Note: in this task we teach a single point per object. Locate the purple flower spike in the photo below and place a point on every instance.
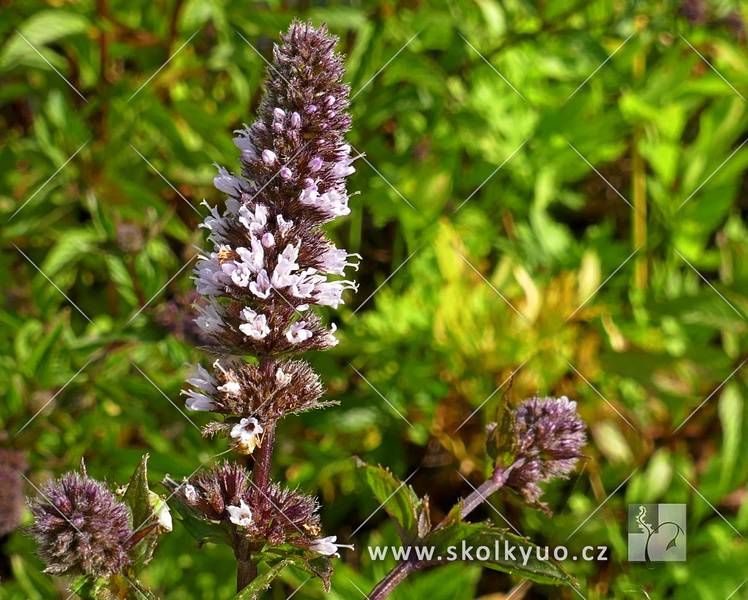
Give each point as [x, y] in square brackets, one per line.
[550, 436]
[271, 261]
[81, 528]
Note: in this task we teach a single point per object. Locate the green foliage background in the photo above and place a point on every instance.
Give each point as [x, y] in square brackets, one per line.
[490, 241]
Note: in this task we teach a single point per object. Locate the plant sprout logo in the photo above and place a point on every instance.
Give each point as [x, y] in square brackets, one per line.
[657, 533]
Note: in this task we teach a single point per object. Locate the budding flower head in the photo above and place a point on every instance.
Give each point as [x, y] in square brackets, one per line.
[81, 527]
[550, 436]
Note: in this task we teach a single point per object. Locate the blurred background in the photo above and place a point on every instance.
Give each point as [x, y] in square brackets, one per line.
[551, 189]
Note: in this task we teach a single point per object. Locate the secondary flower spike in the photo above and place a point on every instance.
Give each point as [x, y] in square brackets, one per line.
[550, 436]
[81, 528]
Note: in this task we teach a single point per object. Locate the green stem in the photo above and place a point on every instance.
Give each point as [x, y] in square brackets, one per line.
[406, 567]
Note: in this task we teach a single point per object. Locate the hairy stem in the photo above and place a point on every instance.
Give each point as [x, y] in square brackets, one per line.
[263, 462]
[480, 495]
[392, 580]
[261, 469]
[406, 567]
[261, 478]
[245, 574]
[247, 570]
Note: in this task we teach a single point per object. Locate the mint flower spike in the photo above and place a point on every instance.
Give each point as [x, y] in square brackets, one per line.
[270, 265]
[271, 261]
[270, 256]
[550, 435]
[81, 528]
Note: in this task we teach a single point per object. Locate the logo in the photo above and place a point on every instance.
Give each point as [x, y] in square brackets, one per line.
[657, 533]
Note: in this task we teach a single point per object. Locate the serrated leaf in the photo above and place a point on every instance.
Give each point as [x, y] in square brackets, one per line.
[261, 582]
[398, 499]
[320, 566]
[144, 521]
[456, 537]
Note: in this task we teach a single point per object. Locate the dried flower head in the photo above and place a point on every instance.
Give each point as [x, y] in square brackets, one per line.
[12, 464]
[550, 436]
[81, 527]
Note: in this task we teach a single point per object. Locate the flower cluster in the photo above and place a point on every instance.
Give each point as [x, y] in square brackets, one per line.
[550, 436]
[271, 260]
[275, 515]
[237, 388]
[270, 265]
[81, 528]
[12, 464]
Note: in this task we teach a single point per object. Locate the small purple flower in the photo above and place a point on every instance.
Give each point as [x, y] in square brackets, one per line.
[550, 436]
[81, 528]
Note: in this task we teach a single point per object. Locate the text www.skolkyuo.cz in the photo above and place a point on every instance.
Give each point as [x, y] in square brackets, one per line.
[499, 552]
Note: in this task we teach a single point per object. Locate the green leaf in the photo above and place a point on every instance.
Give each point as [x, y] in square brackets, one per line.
[398, 499]
[316, 566]
[34, 584]
[39, 362]
[455, 515]
[71, 247]
[146, 523]
[731, 413]
[320, 566]
[117, 586]
[261, 582]
[41, 28]
[448, 544]
[501, 444]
